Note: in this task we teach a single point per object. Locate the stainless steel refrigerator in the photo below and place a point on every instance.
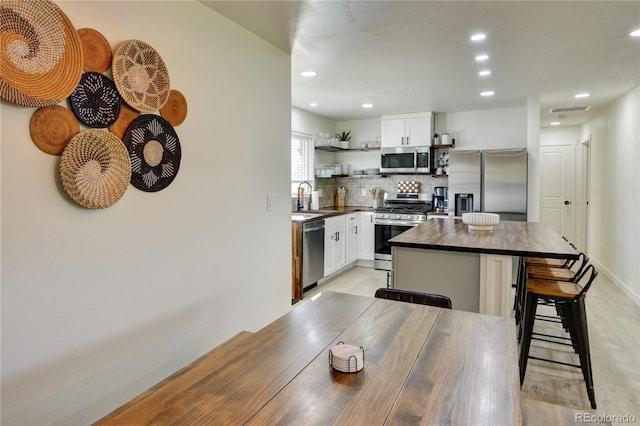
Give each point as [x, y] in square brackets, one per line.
[496, 178]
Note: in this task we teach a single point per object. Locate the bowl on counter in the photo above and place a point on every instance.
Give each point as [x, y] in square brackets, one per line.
[481, 221]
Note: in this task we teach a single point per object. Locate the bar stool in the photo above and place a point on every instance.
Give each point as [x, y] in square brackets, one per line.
[569, 299]
[535, 270]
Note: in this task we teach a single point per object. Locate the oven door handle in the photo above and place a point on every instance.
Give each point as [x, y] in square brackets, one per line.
[397, 222]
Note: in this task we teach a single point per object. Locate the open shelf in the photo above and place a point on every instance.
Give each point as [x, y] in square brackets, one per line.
[330, 148]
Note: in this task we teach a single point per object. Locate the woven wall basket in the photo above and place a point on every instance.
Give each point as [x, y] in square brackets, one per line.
[96, 101]
[126, 117]
[52, 128]
[175, 110]
[95, 169]
[95, 50]
[40, 53]
[140, 76]
[155, 152]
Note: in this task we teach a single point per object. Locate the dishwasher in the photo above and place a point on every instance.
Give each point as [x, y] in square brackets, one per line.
[312, 252]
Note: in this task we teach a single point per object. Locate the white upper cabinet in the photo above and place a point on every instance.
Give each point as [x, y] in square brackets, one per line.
[407, 130]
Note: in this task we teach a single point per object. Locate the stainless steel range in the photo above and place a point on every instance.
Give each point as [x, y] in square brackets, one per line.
[399, 213]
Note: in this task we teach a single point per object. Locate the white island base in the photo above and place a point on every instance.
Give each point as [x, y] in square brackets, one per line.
[475, 282]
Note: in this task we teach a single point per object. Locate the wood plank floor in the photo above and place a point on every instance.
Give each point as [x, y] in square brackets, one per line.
[614, 332]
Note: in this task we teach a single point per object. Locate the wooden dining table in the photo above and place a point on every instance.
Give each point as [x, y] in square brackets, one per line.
[422, 365]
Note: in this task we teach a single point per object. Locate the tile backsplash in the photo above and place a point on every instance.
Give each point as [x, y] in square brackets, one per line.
[356, 187]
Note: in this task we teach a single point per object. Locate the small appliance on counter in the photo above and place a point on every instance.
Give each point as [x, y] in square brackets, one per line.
[441, 199]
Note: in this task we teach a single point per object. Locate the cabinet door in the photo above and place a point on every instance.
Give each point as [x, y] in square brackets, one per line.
[367, 236]
[418, 131]
[329, 249]
[353, 237]
[334, 244]
[340, 250]
[393, 132]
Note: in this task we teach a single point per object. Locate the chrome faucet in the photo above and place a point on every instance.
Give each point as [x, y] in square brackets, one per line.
[299, 205]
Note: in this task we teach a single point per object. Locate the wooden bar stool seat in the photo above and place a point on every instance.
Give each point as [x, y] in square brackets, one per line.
[569, 298]
[543, 261]
[553, 274]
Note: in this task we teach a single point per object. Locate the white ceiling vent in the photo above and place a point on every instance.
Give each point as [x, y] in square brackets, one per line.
[569, 109]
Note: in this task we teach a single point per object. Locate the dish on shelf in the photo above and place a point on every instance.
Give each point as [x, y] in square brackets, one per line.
[481, 221]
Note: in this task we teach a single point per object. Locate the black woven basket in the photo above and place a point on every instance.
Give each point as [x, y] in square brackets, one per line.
[96, 101]
[155, 152]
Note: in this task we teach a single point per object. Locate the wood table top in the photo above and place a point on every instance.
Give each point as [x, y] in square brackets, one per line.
[422, 364]
[507, 238]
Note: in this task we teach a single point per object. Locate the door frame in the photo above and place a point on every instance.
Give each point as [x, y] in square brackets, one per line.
[583, 191]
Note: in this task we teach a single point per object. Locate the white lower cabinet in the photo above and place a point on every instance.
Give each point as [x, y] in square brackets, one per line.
[353, 237]
[366, 234]
[347, 239]
[335, 240]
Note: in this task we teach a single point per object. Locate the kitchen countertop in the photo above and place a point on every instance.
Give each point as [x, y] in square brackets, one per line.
[508, 238]
[331, 211]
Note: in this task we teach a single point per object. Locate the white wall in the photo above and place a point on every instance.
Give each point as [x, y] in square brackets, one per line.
[614, 228]
[97, 306]
[555, 136]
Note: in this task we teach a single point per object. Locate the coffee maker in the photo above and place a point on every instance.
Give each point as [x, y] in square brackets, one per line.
[441, 199]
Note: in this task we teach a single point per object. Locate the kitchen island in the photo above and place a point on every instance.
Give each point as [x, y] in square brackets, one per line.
[474, 268]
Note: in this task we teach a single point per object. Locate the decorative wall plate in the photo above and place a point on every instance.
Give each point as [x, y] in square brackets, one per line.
[95, 50]
[40, 53]
[155, 152]
[140, 76]
[95, 169]
[175, 110]
[52, 127]
[126, 117]
[96, 101]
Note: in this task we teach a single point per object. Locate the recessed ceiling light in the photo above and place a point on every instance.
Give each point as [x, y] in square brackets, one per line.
[555, 123]
[478, 37]
[487, 93]
[582, 95]
[484, 73]
[482, 57]
[308, 73]
[313, 104]
[367, 105]
[635, 33]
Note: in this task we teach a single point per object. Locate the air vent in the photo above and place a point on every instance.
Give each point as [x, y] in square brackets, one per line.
[569, 109]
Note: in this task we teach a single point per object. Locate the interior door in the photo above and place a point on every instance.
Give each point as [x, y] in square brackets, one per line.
[557, 188]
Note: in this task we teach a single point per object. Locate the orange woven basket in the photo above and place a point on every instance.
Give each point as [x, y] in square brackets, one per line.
[40, 53]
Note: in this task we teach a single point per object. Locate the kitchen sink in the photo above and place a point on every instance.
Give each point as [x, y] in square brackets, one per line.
[318, 211]
[299, 216]
[309, 214]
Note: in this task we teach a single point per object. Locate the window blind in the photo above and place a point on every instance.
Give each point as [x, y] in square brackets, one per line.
[301, 158]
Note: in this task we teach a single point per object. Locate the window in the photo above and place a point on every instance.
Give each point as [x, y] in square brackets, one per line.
[301, 160]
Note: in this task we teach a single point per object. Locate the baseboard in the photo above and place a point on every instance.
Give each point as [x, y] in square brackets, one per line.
[617, 281]
[365, 263]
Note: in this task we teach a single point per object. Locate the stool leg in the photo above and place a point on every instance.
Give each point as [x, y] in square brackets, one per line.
[531, 305]
[582, 337]
[520, 287]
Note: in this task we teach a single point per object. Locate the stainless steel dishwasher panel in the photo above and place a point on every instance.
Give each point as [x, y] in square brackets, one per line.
[312, 252]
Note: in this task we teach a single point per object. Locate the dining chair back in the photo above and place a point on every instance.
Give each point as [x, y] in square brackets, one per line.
[414, 297]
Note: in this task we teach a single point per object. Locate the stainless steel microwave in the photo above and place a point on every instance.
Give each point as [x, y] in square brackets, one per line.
[405, 159]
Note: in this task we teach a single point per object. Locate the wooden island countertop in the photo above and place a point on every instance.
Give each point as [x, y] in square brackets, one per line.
[507, 238]
[476, 269]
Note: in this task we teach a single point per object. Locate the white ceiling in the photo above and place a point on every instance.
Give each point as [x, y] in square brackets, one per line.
[409, 56]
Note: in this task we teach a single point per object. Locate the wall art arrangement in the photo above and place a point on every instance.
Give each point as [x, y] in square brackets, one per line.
[127, 118]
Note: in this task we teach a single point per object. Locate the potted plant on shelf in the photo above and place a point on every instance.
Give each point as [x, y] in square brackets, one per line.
[344, 138]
